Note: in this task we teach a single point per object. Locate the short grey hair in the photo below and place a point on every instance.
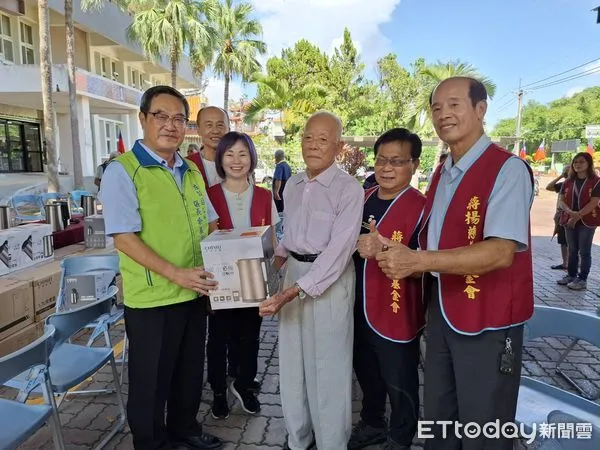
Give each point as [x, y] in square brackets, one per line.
[113, 155]
[331, 115]
[279, 154]
[194, 146]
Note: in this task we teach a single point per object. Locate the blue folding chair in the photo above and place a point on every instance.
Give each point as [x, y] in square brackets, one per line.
[71, 364]
[20, 420]
[76, 199]
[28, 208]
[538, 400]
[81, 264]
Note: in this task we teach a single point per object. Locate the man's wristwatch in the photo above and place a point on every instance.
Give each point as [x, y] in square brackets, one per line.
[301, 294]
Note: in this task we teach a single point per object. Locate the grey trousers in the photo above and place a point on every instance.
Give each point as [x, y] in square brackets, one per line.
[315, 362]
[463, 382]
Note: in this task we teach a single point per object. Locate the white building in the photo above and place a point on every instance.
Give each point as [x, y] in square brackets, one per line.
[111, 76]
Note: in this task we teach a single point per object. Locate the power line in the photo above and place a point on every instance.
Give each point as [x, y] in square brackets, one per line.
[586, 73]
[562, 73]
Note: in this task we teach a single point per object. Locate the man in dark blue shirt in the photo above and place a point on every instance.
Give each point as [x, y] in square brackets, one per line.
[282, 173]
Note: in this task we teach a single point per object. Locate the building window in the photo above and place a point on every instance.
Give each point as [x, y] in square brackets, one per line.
[6, 44]
[134, 78]
[27, 49]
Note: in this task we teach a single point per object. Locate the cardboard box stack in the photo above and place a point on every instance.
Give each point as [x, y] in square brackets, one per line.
[28, 294]
[242, 262]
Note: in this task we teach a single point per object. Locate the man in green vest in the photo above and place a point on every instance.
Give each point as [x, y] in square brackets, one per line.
[156, 208]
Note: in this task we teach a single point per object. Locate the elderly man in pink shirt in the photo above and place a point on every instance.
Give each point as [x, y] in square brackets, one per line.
[323, 216]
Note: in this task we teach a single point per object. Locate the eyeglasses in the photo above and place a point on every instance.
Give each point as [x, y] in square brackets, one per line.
[394, 162]
[162, 119]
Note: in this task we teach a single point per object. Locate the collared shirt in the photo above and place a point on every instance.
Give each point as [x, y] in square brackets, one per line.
[210, 169]
[123, 216]
[323, 216]
[507, 215]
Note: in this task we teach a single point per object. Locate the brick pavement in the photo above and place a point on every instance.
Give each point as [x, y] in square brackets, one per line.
[86, 420]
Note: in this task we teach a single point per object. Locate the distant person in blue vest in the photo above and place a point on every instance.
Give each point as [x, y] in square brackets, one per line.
[157, 210]
[102, 168]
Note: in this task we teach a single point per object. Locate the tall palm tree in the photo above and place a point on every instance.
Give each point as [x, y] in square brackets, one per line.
[275, 94]
[170, 27]
[237, 43]
[428, 78]
[70, 32]
[48, 107]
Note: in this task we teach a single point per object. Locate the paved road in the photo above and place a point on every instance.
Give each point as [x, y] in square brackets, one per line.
[85, 421]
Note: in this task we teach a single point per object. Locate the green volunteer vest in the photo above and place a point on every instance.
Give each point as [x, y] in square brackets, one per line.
[173, 224]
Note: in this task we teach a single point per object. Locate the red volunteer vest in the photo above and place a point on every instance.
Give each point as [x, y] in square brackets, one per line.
[260, 210]
[394, 308]
[196, 158]
[499, 299]
[591, 219]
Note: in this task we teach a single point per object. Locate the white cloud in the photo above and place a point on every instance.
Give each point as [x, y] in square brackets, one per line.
[216, 88]
[574, 90]
[322, 22]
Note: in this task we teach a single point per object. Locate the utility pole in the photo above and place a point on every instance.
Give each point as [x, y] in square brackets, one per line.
[517, 147]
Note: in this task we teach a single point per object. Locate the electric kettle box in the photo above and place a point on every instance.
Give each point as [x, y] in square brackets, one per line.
[95, 232]
[85, 288]
[37, 244]
[11, 241]
[241, 260]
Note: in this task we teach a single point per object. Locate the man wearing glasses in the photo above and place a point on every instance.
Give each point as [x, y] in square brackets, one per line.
[156, 208]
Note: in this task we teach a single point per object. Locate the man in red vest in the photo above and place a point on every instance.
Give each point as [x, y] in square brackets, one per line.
[213, 123]
[476, 260]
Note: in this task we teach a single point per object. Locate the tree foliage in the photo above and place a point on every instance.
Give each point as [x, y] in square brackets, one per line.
[564, 118]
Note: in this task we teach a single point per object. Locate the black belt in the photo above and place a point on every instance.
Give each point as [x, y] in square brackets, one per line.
[303, 258]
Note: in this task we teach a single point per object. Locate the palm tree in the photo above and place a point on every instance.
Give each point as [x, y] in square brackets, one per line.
[237, 46]
[70, 32]
[428, 78]
[48, 107]
[276, 94]
[172, 27]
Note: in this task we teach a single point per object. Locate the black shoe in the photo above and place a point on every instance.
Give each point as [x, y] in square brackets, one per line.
[312, 446]
[220, 408]
[247, 399]
[254, 386]
[390, 444]
[202, 441]
[364, 435]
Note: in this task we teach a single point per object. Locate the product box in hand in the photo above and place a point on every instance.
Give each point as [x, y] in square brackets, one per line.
[241, 260]
[95, 232]
[37, 245]
[85, 288]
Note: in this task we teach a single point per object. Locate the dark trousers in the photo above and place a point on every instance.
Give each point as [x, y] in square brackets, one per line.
[166, 363]
[579, 240]
[386, 369]
[463, 382]
[241, 325]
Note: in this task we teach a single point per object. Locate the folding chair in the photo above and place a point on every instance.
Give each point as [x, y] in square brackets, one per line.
[537, 400]
[81, 264]
[28, 208]
[19, 420]
[72, 364]
[548, 322]
[76, 199]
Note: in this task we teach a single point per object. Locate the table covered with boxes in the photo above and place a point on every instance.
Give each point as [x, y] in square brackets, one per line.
[30, 274]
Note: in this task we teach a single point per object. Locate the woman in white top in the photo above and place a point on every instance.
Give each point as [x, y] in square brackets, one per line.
[239, 203]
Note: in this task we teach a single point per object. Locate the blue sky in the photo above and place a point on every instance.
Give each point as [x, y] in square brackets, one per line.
[505, 39]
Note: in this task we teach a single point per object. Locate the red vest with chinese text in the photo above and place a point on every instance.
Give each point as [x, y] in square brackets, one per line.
[394, 309]
[501, 298]
[196, 158]
[260, 210]
[591, 219]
